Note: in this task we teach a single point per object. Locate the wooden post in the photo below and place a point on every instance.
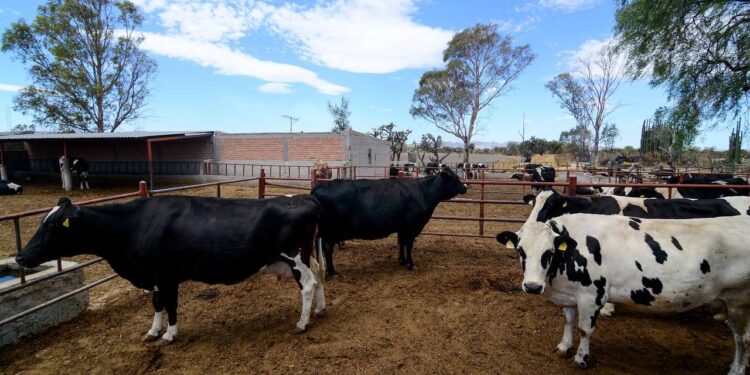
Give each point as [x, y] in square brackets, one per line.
[218, 190]
[262, 184]
[313, 179]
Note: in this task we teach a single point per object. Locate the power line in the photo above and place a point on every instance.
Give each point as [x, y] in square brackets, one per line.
[291, 121]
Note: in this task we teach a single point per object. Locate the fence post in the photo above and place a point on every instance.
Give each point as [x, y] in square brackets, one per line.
[218, 190]
[572, 186]
[262, 184]
[143, 189]
[481, 209]
[17, 230]
[313, 180]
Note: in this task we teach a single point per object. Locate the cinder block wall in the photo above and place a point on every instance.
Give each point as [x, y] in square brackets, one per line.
[197, 149]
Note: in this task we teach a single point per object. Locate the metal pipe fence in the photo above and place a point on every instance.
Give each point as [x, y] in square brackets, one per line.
[266, 181]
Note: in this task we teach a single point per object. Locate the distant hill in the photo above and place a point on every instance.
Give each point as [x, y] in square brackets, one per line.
[480, 145]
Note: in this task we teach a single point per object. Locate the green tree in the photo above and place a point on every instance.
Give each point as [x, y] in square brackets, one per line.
[87, 70]
[577, 142]
[586, 92]
[610, 133]
[699, 50]
[340, 113]
[481, 65]
[396, 138]
[430, 144]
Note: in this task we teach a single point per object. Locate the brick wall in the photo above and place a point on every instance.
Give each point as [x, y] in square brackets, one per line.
[239, 148]
[277, 148]
[316, 148]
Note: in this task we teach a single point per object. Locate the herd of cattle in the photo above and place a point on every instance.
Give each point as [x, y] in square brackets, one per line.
[584, 252]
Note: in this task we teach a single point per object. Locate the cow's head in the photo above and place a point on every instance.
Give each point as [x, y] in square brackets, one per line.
[540, 250]
[451, 184]
[56, 237]
[18, 189]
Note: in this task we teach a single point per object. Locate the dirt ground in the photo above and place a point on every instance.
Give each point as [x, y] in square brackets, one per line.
[460, 311]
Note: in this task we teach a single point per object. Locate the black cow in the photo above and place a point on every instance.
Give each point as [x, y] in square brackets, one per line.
[9, 188]
[709, 193]
[80, 168]
[159, 242]
[373, 209]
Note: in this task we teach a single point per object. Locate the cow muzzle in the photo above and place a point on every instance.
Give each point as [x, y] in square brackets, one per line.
[533, 288]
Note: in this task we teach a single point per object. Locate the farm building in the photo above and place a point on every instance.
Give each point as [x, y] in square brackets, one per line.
[190, 153]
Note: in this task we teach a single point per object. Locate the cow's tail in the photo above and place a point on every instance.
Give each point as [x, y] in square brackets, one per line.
[320, 273]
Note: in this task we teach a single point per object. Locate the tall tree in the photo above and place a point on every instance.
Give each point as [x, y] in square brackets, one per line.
[87, 70]
[586, 92]
[396, 138]
[340, 113]
[430, 144]
[610, 133]
[577, 142]
[699, 50]
[481, 65]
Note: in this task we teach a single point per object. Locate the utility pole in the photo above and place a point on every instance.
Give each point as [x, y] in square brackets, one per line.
[291, 121]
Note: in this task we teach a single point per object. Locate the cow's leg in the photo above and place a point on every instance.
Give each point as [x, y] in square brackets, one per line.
[305, 278]
[168, 296]
[737, 320]
[409, 247]
[588, 312]
[401, 249]
[328, 250]
[563, 348]
[156, 326]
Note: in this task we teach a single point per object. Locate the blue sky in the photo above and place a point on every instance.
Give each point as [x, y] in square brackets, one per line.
[238, 65]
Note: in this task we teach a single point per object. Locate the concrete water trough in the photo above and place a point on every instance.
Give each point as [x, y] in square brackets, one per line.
[25, 298]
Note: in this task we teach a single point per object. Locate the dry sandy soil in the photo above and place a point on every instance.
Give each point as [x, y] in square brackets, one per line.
[460, 311]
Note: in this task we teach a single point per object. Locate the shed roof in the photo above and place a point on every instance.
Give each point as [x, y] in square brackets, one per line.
[87, 136]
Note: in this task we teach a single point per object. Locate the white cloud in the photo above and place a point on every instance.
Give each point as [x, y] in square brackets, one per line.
[230, 61]
[10, 88]
[275, 88]
[568, 5]
[361, 36]
[589, 50]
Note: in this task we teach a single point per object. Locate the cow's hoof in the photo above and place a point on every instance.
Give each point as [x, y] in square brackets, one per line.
[402, 262]
[567, 353]
[321, 313]
[332, 274]
[165, 342]
[150, 338]
[299, 329]
[411, 267]
[580, 363]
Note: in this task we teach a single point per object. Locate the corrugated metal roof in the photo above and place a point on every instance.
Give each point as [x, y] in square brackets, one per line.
[115, 135]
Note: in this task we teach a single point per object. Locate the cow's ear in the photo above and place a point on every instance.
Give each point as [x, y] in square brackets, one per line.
[64, 201]
[508, 239]
[564, 243]
[529, 199]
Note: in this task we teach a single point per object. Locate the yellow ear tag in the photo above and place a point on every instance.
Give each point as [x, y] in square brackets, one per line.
[565, 204]
[510, 245]
[562, 246]
[643, 196]
[66, 223]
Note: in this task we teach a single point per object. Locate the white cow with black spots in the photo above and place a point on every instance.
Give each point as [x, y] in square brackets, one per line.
[583, 261]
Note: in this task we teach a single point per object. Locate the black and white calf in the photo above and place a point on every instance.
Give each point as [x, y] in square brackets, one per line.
[80, 168]
[470, 171]
[373, 209]
[583, 261]
[9, 188]
[159, 242]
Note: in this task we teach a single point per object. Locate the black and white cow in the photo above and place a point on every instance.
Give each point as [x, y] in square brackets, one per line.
[640, 192]
[373, 209]
[549, 204]
[80, 168]
[159, 242]
[540, 173]
[470, 171]
[433, 168]
[9, 188]
[583, 261]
